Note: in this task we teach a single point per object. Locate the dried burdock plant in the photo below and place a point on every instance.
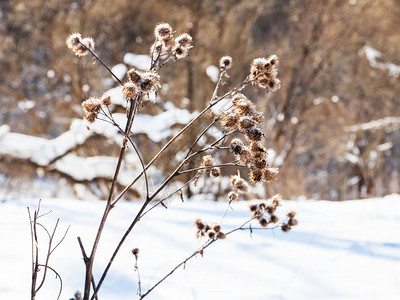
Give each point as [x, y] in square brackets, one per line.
[39, 267]
[242, 137]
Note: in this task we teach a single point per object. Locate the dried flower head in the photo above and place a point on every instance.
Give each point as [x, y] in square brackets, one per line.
[239, 183]
[216, 228]
[257, 149]
[215, 172]
[292, 222]
[179, 52]
[130, 90]
[273, 219]
[263, 71]
[162, 31]
[229, 121]
[254, 134]
[255, 176]
[207, 161]
[246, 122]
[199, 224]
[263, 222]
[135, 251]
[291, 214]
[271, 174]
[150, 82]
[221, 235]
[232, 196]
[73, 41]
[253, 207]
[225, 63]
[184, 41]
[211, 234]
[135, 76]
[237, 146]
[286, 227]
[106, 100]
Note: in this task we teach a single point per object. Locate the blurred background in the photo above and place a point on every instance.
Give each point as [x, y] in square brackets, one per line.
[333, 128]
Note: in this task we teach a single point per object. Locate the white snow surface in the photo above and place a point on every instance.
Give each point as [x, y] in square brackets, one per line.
[339, 250]
[213, 73]
[140, 61]
[374, 55]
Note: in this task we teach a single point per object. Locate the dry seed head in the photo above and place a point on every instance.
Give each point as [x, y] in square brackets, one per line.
[91, 105]
[244, 157]
[229, 121]
[292, 222]
[207, 161]
[211, 234]
[273, 219]
[184, 40]
[276, 199]
[255, 176]
[273, 60]
[215, 172]
[271, 174]
[286, 227]
[106, 100]
[262, 206]
[90, 117]
[216, 228]
[199, 224]
[237, 146]
[130, 90]
[150, 82]
[257, 66]
[253, 207]
[257, 149]
[162, 31]
[259, 164]
[134, 76]
[232, 196]
[263, 222]
[73, 41]
[239, 183]
[291, 214]
[179, 52]
[221, 235]
[254, 134]
[225, 63]
[246, 122]
[135, 251]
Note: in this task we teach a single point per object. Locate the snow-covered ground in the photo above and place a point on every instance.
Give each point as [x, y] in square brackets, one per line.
[339, 250]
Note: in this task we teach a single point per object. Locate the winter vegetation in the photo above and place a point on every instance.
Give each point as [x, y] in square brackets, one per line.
[151, 157]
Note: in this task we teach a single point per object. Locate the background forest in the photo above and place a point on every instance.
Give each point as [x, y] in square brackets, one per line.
[333, 128]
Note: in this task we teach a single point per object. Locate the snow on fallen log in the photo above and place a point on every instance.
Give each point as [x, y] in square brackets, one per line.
[375, 124]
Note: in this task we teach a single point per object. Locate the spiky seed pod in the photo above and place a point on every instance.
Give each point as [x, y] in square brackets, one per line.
[271, 174]
[256, 148]
[273, 60]
[262, 206]
[292, 222]
[263, 222]
[216, 228]
[91, 116]
[199, 224]
[238, 97]
[258, 117]
[286, 227]
[215, 172]
[291, 214]
[244, 107]
[246, 122]
[89, 43]
[245, 157]
[130, 90]
[254, 134]
[179, 52]
[163, 31]
[258, 66]
[91, 105]
[237, 146]
[106, 100]
[207, 161]
[229, 121]
[225, 63]
[259, 164]
[274, 85]
[73, 41]
[211, 234]
[232, 196]
[273, 219]
[221, 235]
[150, 82]
[239, 183]
[255, 176]
[276, 199]
[253, 207]
[134, 76]
[270, 209]
[184, 40]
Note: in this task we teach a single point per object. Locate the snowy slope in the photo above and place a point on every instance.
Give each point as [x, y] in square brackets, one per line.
[340, 250]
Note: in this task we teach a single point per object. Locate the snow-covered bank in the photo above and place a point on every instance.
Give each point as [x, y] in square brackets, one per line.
[340, 250]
